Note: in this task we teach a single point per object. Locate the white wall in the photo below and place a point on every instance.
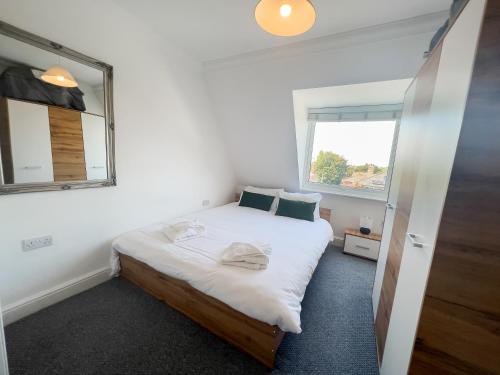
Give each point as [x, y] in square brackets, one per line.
[93, 103]
[253, 98]
[169, 151]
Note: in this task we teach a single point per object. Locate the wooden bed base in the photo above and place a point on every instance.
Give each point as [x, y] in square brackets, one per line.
[258, 339]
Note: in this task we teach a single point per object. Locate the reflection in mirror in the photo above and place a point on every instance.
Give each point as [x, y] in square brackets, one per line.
[53, 126]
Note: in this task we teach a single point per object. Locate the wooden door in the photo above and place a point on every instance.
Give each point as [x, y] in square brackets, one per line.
[459, 330]
[392, 201]
[409, 147]
[67, 145]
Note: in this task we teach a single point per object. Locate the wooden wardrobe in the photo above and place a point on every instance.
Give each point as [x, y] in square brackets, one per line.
[44, 143]
[437, 290]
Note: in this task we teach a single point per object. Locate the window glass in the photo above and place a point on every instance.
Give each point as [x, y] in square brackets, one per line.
[354, 155]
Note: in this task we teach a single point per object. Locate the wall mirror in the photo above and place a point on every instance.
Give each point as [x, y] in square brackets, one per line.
[56, 116]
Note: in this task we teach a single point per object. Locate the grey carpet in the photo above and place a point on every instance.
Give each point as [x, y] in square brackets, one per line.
[116, 328]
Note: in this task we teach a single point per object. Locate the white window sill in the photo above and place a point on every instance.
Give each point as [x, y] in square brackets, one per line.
[351, 193]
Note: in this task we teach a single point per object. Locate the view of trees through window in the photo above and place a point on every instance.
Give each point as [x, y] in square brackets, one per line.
[352, 154]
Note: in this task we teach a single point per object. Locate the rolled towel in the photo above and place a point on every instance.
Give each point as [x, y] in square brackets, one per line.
[183, 230]
[252, 253]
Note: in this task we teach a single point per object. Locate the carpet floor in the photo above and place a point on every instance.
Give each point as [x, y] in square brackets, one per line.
[116, 328]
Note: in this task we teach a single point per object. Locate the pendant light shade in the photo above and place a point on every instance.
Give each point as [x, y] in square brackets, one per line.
[285, 17]
[59, 76]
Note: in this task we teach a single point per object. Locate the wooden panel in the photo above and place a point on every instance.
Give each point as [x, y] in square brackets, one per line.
[357, 233]
[409, 144]
[459, 330]
[259, 339]
[325, 213]
[67, 145]
[7, 165]
[390, 211]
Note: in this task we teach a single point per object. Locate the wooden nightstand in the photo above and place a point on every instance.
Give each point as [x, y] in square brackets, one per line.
[362, 245]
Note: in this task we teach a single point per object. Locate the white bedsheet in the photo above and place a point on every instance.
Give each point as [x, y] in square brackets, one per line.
[273, 295]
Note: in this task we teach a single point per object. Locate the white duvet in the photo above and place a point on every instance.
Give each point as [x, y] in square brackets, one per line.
[273, 295]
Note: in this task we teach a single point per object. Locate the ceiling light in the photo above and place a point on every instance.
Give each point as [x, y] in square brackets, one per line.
[285, 17]
[59, 76]
[285, 10]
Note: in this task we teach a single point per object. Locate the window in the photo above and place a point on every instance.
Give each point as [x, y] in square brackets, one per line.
[350, 150]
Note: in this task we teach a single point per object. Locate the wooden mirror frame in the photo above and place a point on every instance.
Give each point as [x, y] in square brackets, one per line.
[107, 70]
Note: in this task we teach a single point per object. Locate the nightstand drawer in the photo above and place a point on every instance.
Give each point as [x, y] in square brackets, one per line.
[361, 246]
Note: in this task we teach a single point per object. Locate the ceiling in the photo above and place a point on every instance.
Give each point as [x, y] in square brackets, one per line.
[214, 29]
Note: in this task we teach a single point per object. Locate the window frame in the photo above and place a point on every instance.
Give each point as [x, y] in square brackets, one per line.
[342, 190]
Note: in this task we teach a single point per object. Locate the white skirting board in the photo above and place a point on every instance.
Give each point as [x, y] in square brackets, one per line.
[338, 241]
[32, 304]
[4, 368]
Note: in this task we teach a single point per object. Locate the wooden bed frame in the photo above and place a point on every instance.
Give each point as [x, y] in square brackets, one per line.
[257, 338]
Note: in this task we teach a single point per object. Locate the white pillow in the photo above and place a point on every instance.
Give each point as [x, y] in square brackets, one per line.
[304, 197]
[264, 191]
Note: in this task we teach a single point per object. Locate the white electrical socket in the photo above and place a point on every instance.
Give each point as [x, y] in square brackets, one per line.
[36, 243]
[205, 203]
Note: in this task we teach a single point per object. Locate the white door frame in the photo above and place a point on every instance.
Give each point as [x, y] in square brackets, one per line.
[4, 369]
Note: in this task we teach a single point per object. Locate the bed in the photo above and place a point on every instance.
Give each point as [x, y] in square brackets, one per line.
[250, 309]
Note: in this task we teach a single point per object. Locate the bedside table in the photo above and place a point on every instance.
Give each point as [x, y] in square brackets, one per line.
[362, 245]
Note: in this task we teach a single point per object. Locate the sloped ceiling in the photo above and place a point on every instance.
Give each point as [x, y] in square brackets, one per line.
[214, 29]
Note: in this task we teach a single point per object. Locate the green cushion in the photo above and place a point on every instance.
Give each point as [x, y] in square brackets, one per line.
[258, 201]
[296, 209]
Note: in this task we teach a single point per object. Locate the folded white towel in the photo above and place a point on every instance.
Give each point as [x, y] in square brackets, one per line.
[250, 266]
[254, 253]
[183, 230]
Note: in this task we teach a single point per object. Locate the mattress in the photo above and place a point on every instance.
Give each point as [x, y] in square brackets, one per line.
[273, 295]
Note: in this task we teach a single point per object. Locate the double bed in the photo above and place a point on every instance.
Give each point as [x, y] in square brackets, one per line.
[251, 309]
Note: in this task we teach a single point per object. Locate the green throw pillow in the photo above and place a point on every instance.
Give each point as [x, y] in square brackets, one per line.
[258, 201]
[296, 209]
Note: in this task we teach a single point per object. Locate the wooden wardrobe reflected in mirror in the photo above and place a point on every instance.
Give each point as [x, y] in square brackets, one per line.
[42, 143]
[66, 138]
